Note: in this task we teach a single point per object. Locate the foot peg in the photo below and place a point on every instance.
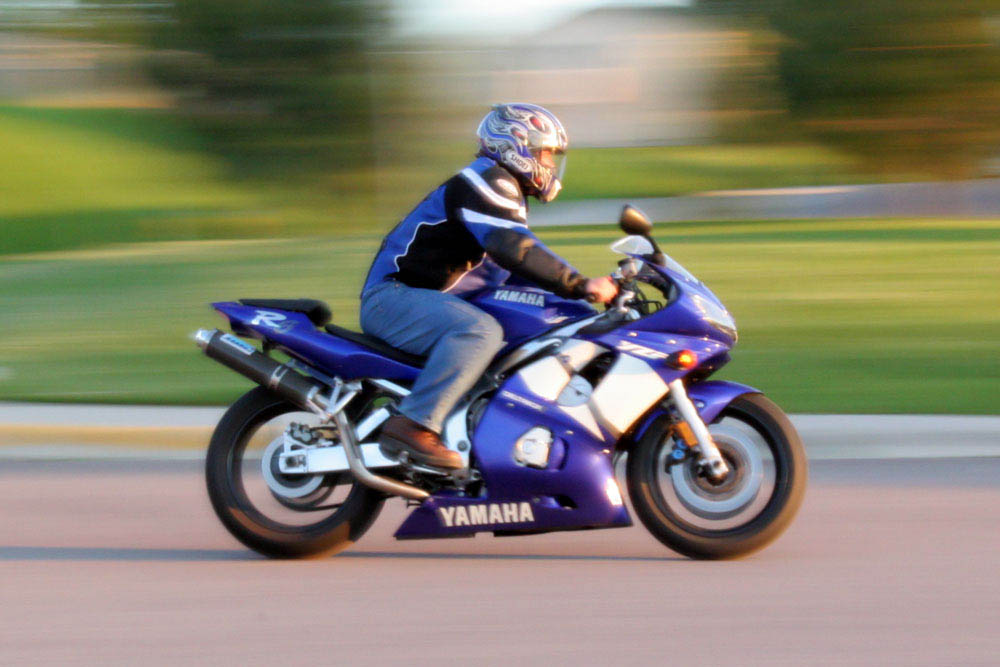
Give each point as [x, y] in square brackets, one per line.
[458, 476]
[411, 464]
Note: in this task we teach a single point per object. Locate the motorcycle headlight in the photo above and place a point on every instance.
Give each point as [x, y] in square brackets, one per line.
[717, 316]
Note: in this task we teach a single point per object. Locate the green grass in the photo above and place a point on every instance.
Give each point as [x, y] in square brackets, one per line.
[82, 160]
[834, 316]
[660, 171]
[77, 178]
[73, 178]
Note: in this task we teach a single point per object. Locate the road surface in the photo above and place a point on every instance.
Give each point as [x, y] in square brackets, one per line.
[122, 562]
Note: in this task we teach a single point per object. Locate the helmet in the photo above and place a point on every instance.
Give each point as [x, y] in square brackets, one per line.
[530, 142]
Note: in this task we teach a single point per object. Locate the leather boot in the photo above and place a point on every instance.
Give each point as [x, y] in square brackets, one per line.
[421, 445]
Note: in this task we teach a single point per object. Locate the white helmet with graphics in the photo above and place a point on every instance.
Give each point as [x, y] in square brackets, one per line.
[530, 142]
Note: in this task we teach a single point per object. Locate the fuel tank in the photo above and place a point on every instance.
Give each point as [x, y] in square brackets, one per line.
[527, 312]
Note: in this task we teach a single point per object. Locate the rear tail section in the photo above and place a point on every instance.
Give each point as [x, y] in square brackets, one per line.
[334, 353]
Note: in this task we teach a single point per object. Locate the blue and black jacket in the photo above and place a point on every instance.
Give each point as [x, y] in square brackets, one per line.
[480, 211]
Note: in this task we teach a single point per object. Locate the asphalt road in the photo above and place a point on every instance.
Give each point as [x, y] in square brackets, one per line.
[889, 562]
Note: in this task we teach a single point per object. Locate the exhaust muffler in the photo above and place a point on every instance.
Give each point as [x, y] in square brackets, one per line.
[246, 360]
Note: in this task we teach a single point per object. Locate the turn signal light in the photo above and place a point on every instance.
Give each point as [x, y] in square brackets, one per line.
[682, 360]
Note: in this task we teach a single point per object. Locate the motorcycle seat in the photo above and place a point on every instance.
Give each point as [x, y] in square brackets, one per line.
[377, 346]
[317, 311]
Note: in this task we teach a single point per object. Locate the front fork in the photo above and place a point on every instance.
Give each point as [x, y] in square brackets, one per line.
[695, 434]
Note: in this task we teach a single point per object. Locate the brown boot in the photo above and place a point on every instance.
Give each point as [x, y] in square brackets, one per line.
[401, 434]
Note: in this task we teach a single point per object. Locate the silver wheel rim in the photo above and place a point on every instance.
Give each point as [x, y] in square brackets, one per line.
[284, 501]
[267, 466]
[736, 501]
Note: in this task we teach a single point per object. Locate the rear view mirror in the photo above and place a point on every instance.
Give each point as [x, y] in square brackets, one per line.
[633, 221]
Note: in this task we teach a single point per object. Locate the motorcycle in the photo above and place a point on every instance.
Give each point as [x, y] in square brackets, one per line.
[713, 468]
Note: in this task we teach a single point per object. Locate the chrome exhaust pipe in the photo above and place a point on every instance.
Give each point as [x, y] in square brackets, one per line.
[366, 476]
[246, 360]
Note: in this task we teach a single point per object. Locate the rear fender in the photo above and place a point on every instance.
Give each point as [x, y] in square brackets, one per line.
[710, 399]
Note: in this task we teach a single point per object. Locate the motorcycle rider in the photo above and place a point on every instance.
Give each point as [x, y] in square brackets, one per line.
[469, 233]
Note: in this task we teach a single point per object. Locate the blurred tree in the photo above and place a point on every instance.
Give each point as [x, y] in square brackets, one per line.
[911, 85]
[279, 87]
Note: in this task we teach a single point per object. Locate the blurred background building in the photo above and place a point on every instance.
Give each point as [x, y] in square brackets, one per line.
[909, 88]
[51, 71]
[629, 76]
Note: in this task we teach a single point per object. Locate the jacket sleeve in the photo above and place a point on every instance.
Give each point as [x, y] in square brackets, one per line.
[491, 207]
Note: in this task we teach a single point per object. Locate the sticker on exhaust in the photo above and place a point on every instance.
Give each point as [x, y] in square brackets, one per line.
[241, 345]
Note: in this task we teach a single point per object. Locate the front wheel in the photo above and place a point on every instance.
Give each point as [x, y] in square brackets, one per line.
[748, 510]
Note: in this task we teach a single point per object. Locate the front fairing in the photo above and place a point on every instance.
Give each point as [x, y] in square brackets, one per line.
[688, 312]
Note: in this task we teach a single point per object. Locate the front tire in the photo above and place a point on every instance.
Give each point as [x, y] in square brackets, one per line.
[330, 513]
[745, 513]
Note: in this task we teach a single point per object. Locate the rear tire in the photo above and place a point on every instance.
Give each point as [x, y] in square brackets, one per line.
[245, 519]
[696, 519]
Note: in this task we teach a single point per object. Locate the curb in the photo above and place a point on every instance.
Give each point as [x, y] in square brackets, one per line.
[132, 437]
[978, 198]
[81, 432]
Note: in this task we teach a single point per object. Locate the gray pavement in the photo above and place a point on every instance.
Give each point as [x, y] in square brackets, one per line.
[81, 414]
[110, 562]
[978, 198]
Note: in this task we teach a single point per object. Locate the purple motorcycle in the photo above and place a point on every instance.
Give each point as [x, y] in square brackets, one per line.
[713, 469]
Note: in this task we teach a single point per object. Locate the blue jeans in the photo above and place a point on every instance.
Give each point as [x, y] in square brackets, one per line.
[459, 339]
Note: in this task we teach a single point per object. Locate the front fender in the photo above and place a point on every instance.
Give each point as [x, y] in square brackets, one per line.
[710, 398]
[713, 396]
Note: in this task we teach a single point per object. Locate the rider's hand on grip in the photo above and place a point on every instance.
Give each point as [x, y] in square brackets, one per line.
[600, 290]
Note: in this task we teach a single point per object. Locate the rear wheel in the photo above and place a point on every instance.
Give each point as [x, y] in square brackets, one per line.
[748, 510]
[278, 515]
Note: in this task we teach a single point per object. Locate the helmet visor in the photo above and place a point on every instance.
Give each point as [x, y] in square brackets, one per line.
[560, 168]
[553, 160]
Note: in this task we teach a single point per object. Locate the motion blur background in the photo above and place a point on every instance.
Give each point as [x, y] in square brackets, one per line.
[157, 155]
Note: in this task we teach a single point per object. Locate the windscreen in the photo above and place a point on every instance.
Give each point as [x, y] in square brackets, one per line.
[675, 266]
